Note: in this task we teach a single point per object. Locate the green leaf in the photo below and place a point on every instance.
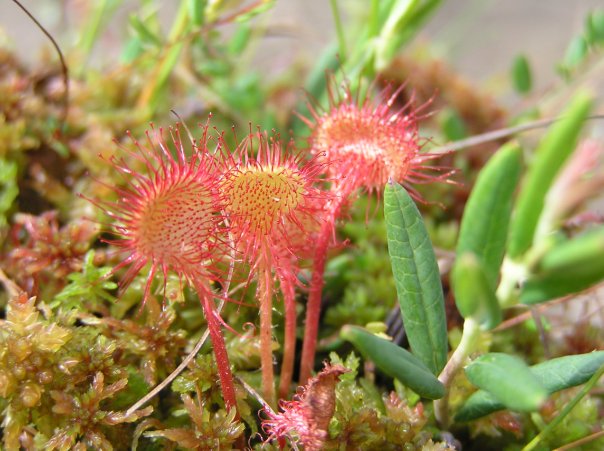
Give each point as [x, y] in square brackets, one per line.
[485, 222]
[595, 28]
[403, 20]
[509, 380]
[575, 53]
[453, 125]
[521, 75]
[145, 35]
[9, 189]
[88, 286]
[264, 6]
[474, 295]
[555, 375]
[197, 12]
[552, 153]
[240, 39]
[417, 278]
[576, 255]
[569, 267]
[395, 362]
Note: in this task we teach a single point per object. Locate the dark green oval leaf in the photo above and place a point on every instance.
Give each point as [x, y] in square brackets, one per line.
[555, 375]
[474, 295]
[395, 362]
[550, 156]
[509, 380]
[484, 226]
[417, 278]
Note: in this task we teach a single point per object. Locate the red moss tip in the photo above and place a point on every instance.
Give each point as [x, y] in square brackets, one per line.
[369, 141]
[166, 215]
[305, 420]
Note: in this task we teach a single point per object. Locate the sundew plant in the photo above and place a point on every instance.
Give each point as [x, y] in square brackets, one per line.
[206, 245]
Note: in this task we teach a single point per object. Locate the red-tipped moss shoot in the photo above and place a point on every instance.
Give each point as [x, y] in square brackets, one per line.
[272, 201]
[167, 219]
[305, 419]
[365, 141]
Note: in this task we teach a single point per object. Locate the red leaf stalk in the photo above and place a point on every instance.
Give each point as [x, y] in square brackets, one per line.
[289, 339]
[265, 297]
[218, 345]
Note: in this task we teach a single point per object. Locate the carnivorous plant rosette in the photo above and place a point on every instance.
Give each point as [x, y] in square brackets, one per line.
[271, 198]
[167, 219]
[365, 142]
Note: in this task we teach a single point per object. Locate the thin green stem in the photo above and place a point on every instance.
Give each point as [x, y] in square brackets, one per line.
[567, 409]
[471, 331]
[150, 93]
[374, 18]
[339, 29]
[93, 26]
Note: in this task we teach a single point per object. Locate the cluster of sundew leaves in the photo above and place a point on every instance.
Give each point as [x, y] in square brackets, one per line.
[48, 255]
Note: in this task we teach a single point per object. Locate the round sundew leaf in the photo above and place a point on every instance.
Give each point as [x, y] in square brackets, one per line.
[485, 222]
[395, 362]
[417, 278]
[509, 380]
[555, 375]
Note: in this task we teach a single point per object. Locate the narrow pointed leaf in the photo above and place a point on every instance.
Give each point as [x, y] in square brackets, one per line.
[509, 380]
[555, 375]
[552, 153]
[395, 362]
[417, 278]
[569, 267]
[474, 295]
[484, 227]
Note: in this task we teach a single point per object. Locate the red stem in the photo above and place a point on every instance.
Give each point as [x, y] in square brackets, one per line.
[289, 341]
[313, 307]
[265, 297]
[219, 346]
